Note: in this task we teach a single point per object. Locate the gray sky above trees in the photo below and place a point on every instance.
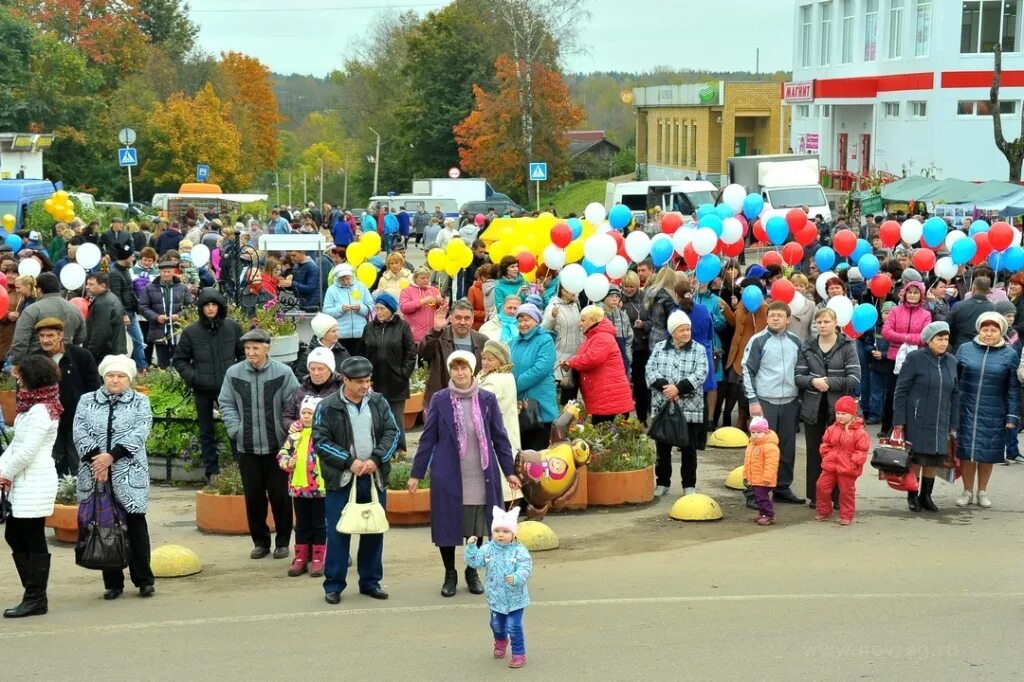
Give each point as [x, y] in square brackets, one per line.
[314, 36]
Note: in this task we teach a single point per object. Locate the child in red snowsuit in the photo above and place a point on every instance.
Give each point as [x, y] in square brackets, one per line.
[844, 449]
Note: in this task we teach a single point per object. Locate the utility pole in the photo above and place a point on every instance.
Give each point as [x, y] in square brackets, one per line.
[344, 200]
[376, 162]
[277, 187]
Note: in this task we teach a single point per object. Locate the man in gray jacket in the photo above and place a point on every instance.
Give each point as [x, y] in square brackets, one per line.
[251, 399]
[769, 379]
[50, 304]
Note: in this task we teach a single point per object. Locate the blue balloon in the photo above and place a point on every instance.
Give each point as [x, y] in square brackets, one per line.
[777, 230]
[753, 204]
[1013, 259]
[576, 225]
[705, 209]
[591, 268]
[619, 217]
[995, 259]
[934, 231]
[713, 221]
[752, 298]
[868, 265]
[724, 211]
[13, 241]
[862, 249]
[825, 258]
[963, 250]
[708, 267]
[661, 251]
[864, 317]
[976, 227]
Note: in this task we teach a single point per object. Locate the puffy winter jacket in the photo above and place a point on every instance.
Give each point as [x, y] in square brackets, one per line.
[905, 322]
[927, 400]
[207, 348]
[420, 317]
[104, 327]
[350, 323]
[293, 406]
[761, 462]
[989, 400]
[390, 348]
[842, 374]
[603, 381]
[28, 463]
[506, 287]
[121, 286]
[502, 561]
[845, 449]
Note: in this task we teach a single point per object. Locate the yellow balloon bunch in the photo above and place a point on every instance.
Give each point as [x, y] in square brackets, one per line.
[60, 207]
[367, 274]
[9, 222]
[358, 252]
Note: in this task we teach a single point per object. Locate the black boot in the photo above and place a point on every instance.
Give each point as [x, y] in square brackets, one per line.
[35, 574]
[925, 496]
[451, 578]
[913, 502]
[473, 582]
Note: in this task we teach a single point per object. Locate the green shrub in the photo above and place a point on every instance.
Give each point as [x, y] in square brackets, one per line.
[399, 476]
[67, 490]
[228, 482]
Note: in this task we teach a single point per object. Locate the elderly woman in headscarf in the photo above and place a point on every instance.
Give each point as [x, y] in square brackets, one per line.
[466, 447]
[325, 335]
[419, 302]
[496, 376]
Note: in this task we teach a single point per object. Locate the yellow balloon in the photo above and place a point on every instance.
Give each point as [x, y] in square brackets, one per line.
[452, 269]
[507, 233]
[574, 252]
[61, 195]
[497, 251]
[67, 216]
[436, 259]
[403, 283]
[355, 254]
[367, 274]
[454, 247]
[48, 205]
[530, 276]
[9, 221]
[545, 221]
[464, 258]
[371, 242]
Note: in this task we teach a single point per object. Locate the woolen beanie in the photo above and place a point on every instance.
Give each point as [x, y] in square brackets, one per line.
[498, 349]
[759, 425]
[847, 405]
[677, 319]
[321, 324]
[118, 363]
[911, 275]
[323, 356]
[933, 329]
[465, 356]
[887, 306]
[1005, 308]
[531, 310]
[505, 520]
[387, 300]
[991, 317]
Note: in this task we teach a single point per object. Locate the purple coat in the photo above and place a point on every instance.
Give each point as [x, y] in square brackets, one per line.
[439, 450]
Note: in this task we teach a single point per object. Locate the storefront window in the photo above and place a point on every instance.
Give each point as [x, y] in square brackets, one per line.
[870, 30]
[848, 22]
[922, 28]
[983, 23]
[805, 36]
[826, 34]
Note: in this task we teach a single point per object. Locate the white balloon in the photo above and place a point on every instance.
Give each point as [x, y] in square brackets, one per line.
[843, 308]
[200, 255]
[733, 195]
[573, 278]
[1016, 236]
[638, 246]
[704, 241]
[554, 257]
[798, 301]
[72, 276]
[596, 287]
[603, 227]
[88, 255]
[600, 249]
[595, 213]
[682, 238]
[617, 267]
[911, 230]
[29, 267]
[819, 284]
[953, 237]
[945, 268]
[732, 230]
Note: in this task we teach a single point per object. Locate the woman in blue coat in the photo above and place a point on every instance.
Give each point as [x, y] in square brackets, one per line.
[989, 404]
[463, 443]
[533, 366]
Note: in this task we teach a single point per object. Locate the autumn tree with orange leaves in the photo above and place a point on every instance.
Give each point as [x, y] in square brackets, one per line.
[492, 140]
[245, 82]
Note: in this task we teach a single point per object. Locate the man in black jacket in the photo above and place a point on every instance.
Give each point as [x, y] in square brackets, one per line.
[104, 326]
[205, 351]
[964, 316]
[78, 376]
[111, 240]
[120, 275]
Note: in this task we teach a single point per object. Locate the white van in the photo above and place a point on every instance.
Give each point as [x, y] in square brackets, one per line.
[449, 206]
[683, 196]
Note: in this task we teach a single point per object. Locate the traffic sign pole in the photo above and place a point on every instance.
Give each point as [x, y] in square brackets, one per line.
[538, 194]
[127, 137]
[131, 192]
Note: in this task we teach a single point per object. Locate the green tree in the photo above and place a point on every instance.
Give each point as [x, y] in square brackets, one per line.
[167, 24]
[15, 52]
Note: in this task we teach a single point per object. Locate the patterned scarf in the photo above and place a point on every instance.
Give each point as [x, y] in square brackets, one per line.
[47, 396]
[473, 393]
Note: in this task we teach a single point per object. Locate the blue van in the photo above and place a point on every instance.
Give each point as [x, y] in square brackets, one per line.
[17, 195]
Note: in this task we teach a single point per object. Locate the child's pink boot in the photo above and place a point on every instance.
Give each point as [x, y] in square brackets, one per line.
[316, 569]
[517, 661]
[500, 647]
[301, 560]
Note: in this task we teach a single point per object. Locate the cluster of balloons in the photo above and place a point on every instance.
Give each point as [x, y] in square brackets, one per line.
[457, 255]
[60, 207]
[365, 248]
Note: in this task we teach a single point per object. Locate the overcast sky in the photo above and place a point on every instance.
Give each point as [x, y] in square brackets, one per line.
[313, 36]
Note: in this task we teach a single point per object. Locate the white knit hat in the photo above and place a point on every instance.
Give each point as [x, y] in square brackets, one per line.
[507, 520]
[322, 323]
[309, 403]
[118, 363]
[677, 319]
[322, 355]
[465, 356]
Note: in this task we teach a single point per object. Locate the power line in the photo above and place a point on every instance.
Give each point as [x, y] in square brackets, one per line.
[250, 10]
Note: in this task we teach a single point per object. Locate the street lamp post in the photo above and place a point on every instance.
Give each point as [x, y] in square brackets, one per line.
[376, 162]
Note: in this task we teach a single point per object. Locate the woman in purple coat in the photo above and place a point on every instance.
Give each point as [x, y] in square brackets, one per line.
[463, 443]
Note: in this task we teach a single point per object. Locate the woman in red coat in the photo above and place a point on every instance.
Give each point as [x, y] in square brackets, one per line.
[606, 389]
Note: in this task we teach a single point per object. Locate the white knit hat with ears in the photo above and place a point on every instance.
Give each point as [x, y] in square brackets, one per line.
[507, 520]
[677, 319]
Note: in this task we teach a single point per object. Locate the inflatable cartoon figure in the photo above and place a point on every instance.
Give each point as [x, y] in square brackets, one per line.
[549, 476]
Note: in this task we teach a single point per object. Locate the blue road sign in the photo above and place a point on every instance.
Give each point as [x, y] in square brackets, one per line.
[538, 171]
[127, 156]
[202, 172]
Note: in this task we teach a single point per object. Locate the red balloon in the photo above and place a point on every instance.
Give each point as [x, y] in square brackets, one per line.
[796, 219]
[734, 249]
[480, 219]
[850, 331]
[806, 236]
[984, 248]
[743, 221]
[844, 242]
[782, 290]
[771, 258]
[561, 235]
[670, 222]
[5, 301]
[1000, 236]
[81, 304]
[617, 236]
[923, 260]
[527, 262]
[880, 285]
[792, 253]
[690, 256]
[759, 233]
[889, 233]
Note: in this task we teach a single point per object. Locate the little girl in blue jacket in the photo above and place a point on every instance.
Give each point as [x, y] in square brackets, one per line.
[509, 566]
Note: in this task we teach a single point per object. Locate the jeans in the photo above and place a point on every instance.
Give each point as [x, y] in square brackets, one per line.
[861, 389]
[138, 343]
[876, 398]
[369, 560]
[510, 625]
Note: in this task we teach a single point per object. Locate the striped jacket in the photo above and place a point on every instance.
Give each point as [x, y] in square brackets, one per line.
[333, 441]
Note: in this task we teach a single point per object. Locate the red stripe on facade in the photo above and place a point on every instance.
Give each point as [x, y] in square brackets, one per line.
[980, 79]
[869, 86]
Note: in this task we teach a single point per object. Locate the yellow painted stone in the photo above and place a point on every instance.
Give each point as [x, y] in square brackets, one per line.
[537, 536]
[727, 437]
[695, 507]
[174, 561]
[735, 479]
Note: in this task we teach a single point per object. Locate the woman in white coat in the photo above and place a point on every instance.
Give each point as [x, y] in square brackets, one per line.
[28, 474]
[496, 376]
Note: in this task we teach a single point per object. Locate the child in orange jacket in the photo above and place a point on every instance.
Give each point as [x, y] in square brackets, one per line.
[844, 449]
[761, 468]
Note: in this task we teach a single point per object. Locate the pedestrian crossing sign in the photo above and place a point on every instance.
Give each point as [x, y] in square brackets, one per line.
[127, 156]
[538, 171]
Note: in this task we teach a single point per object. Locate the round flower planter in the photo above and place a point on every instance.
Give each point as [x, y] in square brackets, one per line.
[64, 522]
[612, 488]
[224, 514]
[413, 409]
[8, 406]
[285, 348]
[408, 509]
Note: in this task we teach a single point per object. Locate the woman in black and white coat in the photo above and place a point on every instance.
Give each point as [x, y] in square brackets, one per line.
[111, 427]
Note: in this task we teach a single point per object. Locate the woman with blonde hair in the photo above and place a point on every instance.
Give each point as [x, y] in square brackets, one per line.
[660, 301]
[395, 278]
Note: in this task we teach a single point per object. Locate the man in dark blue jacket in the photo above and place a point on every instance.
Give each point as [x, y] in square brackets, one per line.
[305, 280]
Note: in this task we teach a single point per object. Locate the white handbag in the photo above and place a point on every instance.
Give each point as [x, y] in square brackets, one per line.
[901, 356]
[363, 518]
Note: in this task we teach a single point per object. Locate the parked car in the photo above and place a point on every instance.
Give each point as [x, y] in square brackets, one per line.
[500, 206]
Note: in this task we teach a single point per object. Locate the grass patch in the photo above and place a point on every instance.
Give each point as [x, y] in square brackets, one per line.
[575, 196]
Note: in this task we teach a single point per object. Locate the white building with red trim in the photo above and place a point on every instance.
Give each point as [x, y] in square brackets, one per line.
[902, 86]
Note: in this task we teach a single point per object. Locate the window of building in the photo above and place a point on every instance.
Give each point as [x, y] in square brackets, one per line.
[982, 107]
[922, 27]
[825, 110]
[825, 58]
[891, 109]
[895, 29]
[849, 18]
[802, 111]
[918, 109]
[805, 36]
[870, 30]
[983, 22]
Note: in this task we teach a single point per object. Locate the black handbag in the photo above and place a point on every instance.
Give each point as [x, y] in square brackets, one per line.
[529, 415]
[103, 537]
[669, 426]
[5, 506]
[891, 457]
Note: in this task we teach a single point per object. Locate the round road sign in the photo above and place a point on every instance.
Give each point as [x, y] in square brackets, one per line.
[126, 137]
[454, 172]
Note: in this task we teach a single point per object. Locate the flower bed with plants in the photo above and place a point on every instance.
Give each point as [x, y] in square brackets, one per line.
[621, 469]
[414, 405]
[405, 508]
[64, 520]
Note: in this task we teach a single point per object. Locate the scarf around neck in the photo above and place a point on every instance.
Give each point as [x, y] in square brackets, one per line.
[473, 394]
[47, 396]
